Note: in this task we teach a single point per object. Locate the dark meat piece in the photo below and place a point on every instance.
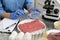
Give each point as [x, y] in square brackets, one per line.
[55, 36]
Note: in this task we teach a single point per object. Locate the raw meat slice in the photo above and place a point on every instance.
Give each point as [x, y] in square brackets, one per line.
[55, 36]
[31, 26]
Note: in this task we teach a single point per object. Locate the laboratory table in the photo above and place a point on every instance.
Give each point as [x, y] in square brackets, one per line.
[48, 23]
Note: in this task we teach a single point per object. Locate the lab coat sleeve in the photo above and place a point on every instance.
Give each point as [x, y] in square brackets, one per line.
[1, 9]
[29, 3]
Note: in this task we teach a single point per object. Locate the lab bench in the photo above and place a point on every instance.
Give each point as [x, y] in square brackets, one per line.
[49, 24]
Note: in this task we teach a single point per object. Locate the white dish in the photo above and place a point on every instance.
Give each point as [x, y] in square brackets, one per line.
[29, 20]
[52, 31]
[55, 24]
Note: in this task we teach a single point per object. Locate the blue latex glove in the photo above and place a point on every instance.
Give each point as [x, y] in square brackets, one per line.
[34, 13]
[35, 9]
[17, 14]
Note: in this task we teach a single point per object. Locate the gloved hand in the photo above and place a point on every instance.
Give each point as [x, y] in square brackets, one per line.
[34, 13]
[34, 9]
[17, 14]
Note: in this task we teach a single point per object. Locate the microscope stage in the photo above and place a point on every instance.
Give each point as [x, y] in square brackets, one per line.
[51, 16]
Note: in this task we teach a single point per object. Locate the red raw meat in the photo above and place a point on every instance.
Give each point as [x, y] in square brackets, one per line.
[55, 36]
[31, 26]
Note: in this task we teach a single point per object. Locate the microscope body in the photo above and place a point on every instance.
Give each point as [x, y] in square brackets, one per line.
[51, 12]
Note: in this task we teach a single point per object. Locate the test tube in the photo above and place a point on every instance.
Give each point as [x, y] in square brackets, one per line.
[13, 35]
[20, 36]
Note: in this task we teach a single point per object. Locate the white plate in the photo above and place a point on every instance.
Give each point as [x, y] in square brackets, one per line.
[52, 31]
[29, 20]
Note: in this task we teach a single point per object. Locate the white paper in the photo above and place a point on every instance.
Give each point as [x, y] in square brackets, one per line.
[7, 22]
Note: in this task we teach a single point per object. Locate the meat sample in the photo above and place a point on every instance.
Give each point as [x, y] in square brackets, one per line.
[54, 36]
[31, 26]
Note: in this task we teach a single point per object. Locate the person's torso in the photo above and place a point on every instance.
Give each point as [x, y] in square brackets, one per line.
[12, 5]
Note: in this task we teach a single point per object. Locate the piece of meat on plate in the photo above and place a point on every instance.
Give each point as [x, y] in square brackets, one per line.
[31, 26]
[54, 36]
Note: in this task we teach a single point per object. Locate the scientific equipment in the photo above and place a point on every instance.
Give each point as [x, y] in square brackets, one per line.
[51, 12]
[58, 1]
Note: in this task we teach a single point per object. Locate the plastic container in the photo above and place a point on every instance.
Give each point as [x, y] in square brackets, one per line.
[34, 15]
[36, 34]
[27, 36]
[13, 35]
[20, 36]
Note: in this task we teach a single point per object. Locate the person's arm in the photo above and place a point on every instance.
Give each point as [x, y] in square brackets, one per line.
[14, 15]
[33, 11]
[2, 12]
[6, 15]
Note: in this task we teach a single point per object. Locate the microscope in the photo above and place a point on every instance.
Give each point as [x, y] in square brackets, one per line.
[51, 11]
